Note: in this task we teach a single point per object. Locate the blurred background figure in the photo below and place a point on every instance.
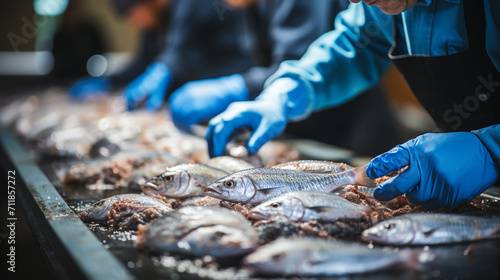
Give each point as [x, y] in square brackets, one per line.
[76, 40]
[150, 17]
[236, 49]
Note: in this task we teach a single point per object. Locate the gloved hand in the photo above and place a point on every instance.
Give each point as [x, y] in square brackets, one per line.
[200, 100]
[284, 100]
[151, 85]
[444, 170]
[89, 87]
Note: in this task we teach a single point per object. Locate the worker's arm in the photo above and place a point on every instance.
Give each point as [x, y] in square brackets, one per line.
[336, 67]
[346, 61]
[283, 30]
[280, 30]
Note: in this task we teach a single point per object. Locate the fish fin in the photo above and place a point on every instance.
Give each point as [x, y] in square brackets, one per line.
[322, 209]
[362, 178]
[268, 191]
[430, 232]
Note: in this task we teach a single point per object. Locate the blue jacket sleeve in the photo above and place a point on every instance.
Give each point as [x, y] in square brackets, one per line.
[346, 61]
[490, 136]
[284, 31]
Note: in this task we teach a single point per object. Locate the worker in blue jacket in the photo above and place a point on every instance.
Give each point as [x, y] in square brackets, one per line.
[216, 55]
[449, 53]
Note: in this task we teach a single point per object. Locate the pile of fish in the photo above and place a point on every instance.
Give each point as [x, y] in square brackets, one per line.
[289, 219]
[271, 213]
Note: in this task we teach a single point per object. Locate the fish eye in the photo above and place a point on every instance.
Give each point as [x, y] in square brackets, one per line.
[229, 184]
[219, 235]
[277, 257]
[99, 203]
[275, 205]
[168, 178]
[389, 226]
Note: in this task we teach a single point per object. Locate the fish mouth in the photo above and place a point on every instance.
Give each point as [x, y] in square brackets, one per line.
[258, 216]
[368, 236]
[83, 216]
[152, 186]
[211, 190]
[150, 189]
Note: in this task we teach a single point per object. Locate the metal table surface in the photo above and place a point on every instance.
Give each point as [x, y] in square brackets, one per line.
[76, 252]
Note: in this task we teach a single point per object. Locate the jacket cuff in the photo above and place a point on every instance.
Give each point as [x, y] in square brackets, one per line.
[490, 137]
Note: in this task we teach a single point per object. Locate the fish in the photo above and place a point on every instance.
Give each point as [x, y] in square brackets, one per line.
[254, 186]
[229, 164]
[432, 228]
[317, 256]
[314, 165]
[183, 180]
[305, 206]
[125, 210]
[200, 231]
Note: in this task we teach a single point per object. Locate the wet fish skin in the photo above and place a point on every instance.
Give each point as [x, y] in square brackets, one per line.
[183, 180]
[200, 230]
[253, 186]
[100, 211]
[229, 164]
[316, 256]
[309, 205]
[314, 165]
[432, 228]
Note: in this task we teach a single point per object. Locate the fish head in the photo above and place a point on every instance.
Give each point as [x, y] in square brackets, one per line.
[171, 183]
[234, 188]
[290, 207]
[219, 241]
[267, 259]
[98, 211]
[397, 231]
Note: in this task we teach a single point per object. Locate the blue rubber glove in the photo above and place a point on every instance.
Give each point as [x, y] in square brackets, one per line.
[284, 100]
[444, 170]
[152, 86]
[201, 100]
[89, 87]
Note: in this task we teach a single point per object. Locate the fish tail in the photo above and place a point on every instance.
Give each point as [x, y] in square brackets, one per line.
[362, 178]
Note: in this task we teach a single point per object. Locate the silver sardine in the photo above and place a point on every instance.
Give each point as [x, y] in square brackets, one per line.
[315, 256]
[309, 205]
[430, 228]
[253, 186]
[200, 231]
[183, 180]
